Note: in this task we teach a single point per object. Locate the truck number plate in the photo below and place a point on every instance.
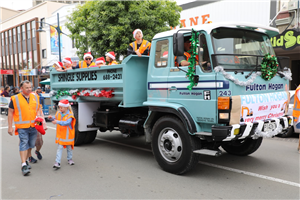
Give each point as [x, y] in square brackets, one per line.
[271, 126]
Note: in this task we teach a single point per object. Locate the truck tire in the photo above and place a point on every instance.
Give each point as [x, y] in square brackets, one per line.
[242, 147]
[79, 136]
[287, 133]
[90, 137]
[173, 146]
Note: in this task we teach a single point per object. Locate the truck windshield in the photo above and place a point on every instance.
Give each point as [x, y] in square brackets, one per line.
[239, 49]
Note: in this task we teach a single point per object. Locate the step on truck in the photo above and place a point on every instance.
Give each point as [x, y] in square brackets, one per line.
[236, 99]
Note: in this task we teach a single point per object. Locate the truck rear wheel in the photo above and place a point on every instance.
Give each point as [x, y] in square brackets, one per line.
[90, 137]
[242, 147]
[79, 136]
[173, 147]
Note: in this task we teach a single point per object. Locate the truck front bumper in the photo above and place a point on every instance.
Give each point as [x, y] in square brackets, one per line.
[257, 129]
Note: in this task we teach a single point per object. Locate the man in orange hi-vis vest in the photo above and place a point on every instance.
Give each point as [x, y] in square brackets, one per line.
[296, 113]
[140, 46]
[23, 109]
[86, 62]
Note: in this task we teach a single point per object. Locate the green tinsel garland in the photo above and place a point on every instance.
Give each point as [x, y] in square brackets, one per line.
[269, 67]
[192, 60]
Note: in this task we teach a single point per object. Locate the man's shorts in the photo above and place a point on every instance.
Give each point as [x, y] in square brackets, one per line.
[27, 138]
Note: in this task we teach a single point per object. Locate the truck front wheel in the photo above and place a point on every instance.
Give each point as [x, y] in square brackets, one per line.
[79, 136]
[242, 147]
[173, 147]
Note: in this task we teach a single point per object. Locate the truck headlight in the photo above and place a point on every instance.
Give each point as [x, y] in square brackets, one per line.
[223, 115]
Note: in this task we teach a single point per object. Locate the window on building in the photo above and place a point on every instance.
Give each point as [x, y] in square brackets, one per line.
[28, 31]
[73, 43]
[14, 36]
[12, 66]
[35, 60]
[161, 53]
[23, 32]
[1, 62]
[68, 2]
[24, 60]
[9, 36]
[2, 39]
[20, 61]
[16, 61]
[38, 2]
[44, 53]
[4, 62]
[33, 28]
[42, 22]
[19, 33]
[6, 38]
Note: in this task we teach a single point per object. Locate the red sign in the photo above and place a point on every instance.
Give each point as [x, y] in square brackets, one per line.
[9, 71]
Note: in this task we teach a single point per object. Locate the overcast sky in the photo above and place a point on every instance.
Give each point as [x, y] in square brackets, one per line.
[25, 4]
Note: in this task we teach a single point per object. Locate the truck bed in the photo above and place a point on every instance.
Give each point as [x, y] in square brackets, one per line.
[127, 80]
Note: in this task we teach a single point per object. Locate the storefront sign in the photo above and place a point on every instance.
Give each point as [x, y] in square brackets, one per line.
[9, 71]
[287, 40]
[27, 72]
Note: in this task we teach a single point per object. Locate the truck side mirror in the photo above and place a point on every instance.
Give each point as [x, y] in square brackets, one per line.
[178, 44]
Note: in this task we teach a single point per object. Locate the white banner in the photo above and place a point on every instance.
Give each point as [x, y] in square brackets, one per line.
[4, 102]
[263, 106]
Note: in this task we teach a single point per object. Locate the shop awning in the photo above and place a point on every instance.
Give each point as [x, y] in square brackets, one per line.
[45, 82]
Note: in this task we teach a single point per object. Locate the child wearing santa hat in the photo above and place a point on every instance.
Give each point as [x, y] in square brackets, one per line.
[110, 58]
[67, 62]
[59, 66]
[65, 131]
[139, 46]
[99, 62]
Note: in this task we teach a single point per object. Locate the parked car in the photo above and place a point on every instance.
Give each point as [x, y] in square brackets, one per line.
[289, 132]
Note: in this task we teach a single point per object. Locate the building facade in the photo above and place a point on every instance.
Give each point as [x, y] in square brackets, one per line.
[21, 45]
[36, 2]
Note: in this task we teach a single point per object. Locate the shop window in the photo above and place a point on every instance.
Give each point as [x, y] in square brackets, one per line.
[161, 53]
[44, 53]
[35, 61]
[24, 60]
[20, 61]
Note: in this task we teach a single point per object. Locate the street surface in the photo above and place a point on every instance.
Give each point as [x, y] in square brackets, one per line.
[113, 167]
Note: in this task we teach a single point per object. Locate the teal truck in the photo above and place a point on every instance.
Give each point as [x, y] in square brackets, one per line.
[240, 95]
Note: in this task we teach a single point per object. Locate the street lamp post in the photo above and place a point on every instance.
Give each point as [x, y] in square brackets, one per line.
[58, 32]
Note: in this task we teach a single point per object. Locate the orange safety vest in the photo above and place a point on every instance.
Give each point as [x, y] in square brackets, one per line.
[113, 63]
[296, 110]
[64, 134]
[187, 55]
[145, 45]
[25, 113]
[83, 64]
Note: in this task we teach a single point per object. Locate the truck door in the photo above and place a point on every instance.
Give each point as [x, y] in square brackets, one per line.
[201, 100]
[158, 71]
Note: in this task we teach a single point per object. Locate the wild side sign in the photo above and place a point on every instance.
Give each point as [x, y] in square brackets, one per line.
[287, 40]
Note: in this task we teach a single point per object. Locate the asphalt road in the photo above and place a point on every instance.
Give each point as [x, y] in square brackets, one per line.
[113, 167]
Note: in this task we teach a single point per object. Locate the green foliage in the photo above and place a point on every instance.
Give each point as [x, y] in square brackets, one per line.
[108, 25]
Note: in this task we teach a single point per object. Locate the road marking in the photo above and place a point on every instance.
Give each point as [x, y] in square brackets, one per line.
[211, 165]
[220, 167]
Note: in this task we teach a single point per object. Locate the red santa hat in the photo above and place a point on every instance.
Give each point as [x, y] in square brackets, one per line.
[111, 54]
[88, 54]
[135, 31]
[100, 60]
[67, 60]
[59, 64]
[64, 103]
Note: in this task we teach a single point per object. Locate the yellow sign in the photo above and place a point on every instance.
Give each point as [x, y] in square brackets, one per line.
[287, 40]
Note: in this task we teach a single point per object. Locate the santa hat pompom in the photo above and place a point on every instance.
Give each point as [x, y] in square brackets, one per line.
[135, 31]
[111, 54]
[64, 103]
[88, 54]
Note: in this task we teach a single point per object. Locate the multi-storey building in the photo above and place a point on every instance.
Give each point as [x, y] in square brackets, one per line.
[36, 2]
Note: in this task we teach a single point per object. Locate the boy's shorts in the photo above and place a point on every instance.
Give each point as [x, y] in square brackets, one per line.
[27, 138]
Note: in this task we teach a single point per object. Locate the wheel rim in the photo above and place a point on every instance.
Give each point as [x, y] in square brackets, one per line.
[170, 145]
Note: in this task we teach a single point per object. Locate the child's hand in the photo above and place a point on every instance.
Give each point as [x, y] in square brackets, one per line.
[54, 122]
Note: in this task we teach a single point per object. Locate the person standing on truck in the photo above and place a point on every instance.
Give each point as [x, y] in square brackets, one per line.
[86, 62]
[65, 131]
[139, 46]
[67, 63]
[296, 113]
[110, 58]
[23, 109]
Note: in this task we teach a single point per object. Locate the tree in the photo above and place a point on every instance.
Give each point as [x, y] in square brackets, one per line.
[108, 25]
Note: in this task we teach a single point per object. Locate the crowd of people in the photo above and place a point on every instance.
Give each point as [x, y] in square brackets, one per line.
[138, 47]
